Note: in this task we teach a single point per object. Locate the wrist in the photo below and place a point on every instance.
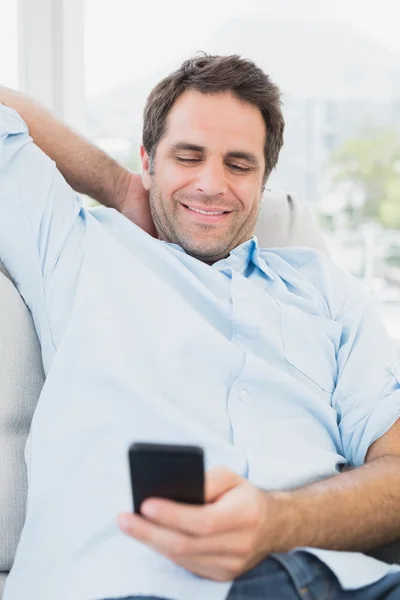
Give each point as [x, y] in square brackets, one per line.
[119, 187]
[285, 518]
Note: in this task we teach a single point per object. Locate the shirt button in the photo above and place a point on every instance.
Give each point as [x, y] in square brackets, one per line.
[243, 396]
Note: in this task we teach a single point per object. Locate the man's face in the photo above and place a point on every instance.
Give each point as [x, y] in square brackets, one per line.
[211, 159]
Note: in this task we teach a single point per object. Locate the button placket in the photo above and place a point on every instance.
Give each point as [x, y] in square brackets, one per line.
[245, 328]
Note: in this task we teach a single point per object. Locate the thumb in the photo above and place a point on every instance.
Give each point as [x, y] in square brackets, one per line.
[219, 480]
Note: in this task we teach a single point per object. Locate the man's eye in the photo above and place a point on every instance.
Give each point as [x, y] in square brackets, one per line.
[239, 169]
[189, 161]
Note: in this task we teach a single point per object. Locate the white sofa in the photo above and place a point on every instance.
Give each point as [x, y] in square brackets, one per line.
[283, 221]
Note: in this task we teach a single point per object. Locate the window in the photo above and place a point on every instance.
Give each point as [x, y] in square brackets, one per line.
[9, 44]
[338, 65]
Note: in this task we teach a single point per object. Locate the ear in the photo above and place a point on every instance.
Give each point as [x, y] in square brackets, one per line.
[146, 178]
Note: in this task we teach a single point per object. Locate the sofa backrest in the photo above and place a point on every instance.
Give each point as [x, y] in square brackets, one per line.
[285, 221]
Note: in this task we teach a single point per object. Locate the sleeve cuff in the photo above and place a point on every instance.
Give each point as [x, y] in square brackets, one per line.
[383, 416]
[10, 122]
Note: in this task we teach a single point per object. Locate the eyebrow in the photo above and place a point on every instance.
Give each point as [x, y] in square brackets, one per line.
[186, 146]
[247, 156]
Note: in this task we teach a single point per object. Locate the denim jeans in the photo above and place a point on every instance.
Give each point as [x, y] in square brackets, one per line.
[300, 576]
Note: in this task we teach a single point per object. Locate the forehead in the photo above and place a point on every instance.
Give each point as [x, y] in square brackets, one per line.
[216, 121]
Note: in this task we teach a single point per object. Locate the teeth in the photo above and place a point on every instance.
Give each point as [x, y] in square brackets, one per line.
[205, 212]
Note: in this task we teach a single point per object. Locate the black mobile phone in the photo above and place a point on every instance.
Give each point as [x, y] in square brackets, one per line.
[175, 472]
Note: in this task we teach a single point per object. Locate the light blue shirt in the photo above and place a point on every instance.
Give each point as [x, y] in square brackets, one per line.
[273, 360]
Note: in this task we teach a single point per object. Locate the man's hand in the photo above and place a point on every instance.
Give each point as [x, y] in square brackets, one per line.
[135, 203]
[221, 540]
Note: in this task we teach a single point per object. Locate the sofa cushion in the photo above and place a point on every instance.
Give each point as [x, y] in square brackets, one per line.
[21, 379]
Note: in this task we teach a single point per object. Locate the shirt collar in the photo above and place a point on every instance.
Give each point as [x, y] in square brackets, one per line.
[241, 256]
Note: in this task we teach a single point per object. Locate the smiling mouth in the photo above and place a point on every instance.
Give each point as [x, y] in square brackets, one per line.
[207, 213]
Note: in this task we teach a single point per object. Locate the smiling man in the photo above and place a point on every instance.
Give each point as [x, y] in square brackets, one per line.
[174, 326]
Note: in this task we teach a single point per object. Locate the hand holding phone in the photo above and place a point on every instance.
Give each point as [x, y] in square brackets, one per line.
[175, 472]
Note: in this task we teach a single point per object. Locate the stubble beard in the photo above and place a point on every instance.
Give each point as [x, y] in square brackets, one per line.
[166, 220]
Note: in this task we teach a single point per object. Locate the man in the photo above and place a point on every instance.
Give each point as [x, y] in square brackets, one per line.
[274, 361]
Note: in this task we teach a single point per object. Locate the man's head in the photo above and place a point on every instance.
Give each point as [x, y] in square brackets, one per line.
[212, 134]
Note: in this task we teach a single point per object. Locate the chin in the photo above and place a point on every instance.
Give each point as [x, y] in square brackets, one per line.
[205, 253]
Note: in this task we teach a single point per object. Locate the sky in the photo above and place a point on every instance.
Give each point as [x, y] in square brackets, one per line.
[127, 39]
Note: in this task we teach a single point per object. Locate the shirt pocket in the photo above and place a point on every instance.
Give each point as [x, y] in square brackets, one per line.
[310, 345]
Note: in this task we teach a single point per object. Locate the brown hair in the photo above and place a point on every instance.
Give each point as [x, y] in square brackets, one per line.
[212, 75]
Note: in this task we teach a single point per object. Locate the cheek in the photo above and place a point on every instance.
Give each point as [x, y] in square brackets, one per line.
[251, 202]
[174, 182]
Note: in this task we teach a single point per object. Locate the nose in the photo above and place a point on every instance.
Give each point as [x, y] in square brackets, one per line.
[211, 180]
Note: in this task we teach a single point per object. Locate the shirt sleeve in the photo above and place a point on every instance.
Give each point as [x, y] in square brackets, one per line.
[367, 393]
[38, 214]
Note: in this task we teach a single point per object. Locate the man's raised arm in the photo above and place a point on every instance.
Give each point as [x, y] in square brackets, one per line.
[85, 167]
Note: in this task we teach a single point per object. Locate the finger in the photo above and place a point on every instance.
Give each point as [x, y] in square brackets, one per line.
[173, 544]
[176, 516]
[235, 510]
[235, 544]
[218, 481]
[180, 548]
[217, 568]
[226, 514]
[190, 520]
[159, 538]
[212, 560]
